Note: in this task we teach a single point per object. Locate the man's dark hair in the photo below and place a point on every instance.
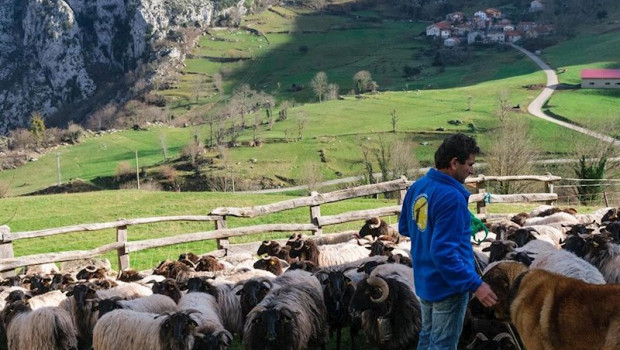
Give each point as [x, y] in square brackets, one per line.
[459, 145]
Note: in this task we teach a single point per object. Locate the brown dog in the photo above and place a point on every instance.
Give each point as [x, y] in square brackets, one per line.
[553, 312]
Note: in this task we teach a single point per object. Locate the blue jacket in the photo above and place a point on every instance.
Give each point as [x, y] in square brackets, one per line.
[436, 218]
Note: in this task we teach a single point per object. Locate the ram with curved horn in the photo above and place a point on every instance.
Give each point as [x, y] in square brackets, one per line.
[273, 248]
[390, 311]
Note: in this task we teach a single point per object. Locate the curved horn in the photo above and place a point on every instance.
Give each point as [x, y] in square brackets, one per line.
[90, 268]
[188, 262]
[380, 283]
[502, 336]
[298, 243]
[266, 242]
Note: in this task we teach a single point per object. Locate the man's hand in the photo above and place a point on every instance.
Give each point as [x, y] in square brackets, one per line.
[485, 294]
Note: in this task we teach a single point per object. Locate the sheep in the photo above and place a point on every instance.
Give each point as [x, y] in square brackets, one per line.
[327, 255]
[83, 297]
[272, 264]
[541, 208]
[168, 287]
[130, 275]
[561, 217]
[49, 299]
[337, 293]
[375, 227]
[273, 248]
[499, 249]
[610, 215]
[205, 311]
[502, 341]
[156, 303]
[524, 235]
[551, 232]
[303, 265]
[520, 218]
[228, 301]
[390, 310]
[91, 272]
[551, 311]
[252, 292]
[47, 328]
[569, 265]
[290, 317]
[131, 330]
[605, 256]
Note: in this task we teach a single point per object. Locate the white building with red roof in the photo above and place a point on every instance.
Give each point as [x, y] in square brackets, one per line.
[600, 78]
[441, 29]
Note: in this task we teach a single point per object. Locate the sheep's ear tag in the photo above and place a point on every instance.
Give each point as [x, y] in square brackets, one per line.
[272, 263]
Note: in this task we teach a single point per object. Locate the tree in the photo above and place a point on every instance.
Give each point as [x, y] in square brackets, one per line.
[311, 175]
[242, 101]
[394, 117]
[217, 82]
[363, 81]
[332, 91]
[504, 105]
[510, 152]
[470, 99]
[37, 127]
[319, 85]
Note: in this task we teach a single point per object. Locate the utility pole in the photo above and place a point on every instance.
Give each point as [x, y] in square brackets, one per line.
[58, 168]
[137, 170]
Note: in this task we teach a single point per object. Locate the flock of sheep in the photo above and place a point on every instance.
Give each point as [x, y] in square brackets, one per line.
[302, 293]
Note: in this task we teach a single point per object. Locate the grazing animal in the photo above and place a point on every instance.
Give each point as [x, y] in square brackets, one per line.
[273, 248]
[47, 328]
[337, 293]
[553, 312]
[375, 227]
[389, 308]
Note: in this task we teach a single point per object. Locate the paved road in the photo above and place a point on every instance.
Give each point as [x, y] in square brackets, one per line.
[535, 108]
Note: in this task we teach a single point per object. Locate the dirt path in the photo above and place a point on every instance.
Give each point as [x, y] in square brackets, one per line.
[535, 108]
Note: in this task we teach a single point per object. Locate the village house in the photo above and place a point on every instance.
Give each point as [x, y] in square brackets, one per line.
[493, 13]
[496, 37]
[451, 42]
[600, 78]
[513, 35]
[440, 29]
[536, 6]
[455, 17]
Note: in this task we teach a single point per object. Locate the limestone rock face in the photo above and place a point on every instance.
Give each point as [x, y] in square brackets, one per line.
[53, 52]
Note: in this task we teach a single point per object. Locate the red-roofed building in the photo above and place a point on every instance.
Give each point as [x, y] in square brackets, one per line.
[600, 78]
[441, 29]
[493, 12]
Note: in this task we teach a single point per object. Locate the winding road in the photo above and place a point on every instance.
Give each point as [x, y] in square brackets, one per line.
[535, 108]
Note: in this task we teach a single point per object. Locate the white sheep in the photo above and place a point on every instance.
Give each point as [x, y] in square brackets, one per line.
[47, 328]
[131, 330]
[567, 264]
[561, 217]
[156, 303]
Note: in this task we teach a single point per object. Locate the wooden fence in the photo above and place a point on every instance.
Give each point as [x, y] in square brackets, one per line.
[123, 247]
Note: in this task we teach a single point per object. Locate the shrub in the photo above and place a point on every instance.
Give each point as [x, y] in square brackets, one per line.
[123, 170]
[21, 139]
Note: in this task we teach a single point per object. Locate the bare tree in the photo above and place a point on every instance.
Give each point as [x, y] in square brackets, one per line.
[319, 85]
[470, 99]
[394, 117]
[217, 82]
[504, 110]
[511, 152]
[383, 155]
[164, 146]
[403, 160]
[368, 172]
[241, 101]
[311, 175]
[301, 125]
[363, 81]
[332, 91]
[256, 140]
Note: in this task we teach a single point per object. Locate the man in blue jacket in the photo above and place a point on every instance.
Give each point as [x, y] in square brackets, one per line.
[436, 218]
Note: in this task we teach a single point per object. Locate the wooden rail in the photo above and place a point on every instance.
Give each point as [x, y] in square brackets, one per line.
[221, 233]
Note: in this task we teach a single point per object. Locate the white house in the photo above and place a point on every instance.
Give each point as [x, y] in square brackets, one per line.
[513, 35]
[536, 6]
[455, 17]
[600, 78]
[472, 36]
[481, 14]
[439, 29]
[497, 37]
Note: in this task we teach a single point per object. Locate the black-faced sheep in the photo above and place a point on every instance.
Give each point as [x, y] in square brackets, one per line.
[203, 308]
[156, 304]
[605, 255]
[327, 255]
[337, 293]
[47, 328]
[131, 330]
[168, 287]
[390, 310]
[289, 318]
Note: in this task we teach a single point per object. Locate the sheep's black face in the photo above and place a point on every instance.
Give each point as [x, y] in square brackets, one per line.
[12, 309]
[377, 248]
[368, 266]
[297, 249]
[251, 294]
[168, 287]
[213, 341]
[106, 305]
[498, 251]
[361, 300]
[196, 284]
[576, 245]
[277, 325]
[269, 248]
[81, 293]
[176, 330]
[336, 287]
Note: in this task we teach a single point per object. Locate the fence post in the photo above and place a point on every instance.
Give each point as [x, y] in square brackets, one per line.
[6, 250]
[222, 243]
[123, 256]
[481, 206]
[315, 214]
[401, 195]
[549, 189]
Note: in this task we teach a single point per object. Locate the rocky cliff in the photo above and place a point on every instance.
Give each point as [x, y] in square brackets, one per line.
[55, 53]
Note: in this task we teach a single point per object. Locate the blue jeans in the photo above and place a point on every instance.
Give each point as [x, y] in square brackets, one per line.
[442, 322]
